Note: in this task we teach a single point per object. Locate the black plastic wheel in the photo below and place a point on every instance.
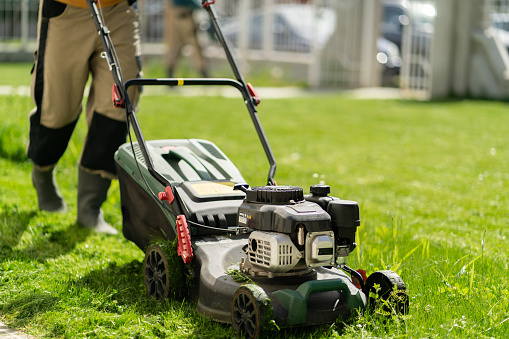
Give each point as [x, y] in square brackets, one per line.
[155, 272]
[251, 311]
[386, 293]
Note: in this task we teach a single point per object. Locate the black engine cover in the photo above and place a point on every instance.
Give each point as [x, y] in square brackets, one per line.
[281, 209]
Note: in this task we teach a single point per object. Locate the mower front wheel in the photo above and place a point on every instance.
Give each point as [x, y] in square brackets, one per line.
[386, 293]
[251, 312]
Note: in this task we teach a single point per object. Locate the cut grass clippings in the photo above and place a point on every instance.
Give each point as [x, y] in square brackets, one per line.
[431, 180]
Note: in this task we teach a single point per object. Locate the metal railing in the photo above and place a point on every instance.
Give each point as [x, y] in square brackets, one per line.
[18, 25]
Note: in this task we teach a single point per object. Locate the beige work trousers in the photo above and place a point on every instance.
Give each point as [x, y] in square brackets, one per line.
[68, 52]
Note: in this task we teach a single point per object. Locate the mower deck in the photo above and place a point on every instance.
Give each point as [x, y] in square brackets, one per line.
[328, 292]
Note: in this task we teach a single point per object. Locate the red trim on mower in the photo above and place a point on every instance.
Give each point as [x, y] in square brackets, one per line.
[184, 248]
[207, 3]
[252, 93]
[117, 101]
[167, 195]
[363, 275]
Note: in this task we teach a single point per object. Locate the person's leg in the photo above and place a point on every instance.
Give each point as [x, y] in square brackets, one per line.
[176, 20]
[58, 80]
[192, 39]
[107, 124]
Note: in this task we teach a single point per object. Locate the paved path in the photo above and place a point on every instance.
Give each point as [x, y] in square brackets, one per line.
[263, 92]
[9, 333]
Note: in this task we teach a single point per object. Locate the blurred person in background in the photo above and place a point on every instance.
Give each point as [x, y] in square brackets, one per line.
[68, 52]
[181, 30]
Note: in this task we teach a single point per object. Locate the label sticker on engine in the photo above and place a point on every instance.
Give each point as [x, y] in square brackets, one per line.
[243, 217]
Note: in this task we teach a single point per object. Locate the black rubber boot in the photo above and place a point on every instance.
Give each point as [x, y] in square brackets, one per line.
[92, 192]
[48, 195]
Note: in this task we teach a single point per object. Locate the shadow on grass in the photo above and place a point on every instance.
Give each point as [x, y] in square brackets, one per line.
[53, 244]
[13, 224]
[46, 241]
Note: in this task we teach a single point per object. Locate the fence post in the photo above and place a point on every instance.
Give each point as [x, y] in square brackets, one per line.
[24, 25]
[243, 11]
[442, 58]
[268, 14]
[314, 65]
[370, 73]
[463, 29]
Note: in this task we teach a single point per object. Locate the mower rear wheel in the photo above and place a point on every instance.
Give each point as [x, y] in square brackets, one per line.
[155, 272]
[386, 293]
[251, 311]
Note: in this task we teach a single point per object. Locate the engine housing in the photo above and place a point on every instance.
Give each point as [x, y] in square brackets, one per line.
[291, 231]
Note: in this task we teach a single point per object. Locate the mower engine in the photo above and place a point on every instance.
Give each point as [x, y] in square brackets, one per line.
[293, 233]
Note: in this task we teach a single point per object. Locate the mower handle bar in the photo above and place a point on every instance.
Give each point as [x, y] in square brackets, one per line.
[108, 49]
[240, 84]
[186, 82]
[207, 4]
[111, 57]
[249, 100]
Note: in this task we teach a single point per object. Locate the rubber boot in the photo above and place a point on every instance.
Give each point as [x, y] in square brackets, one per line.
[92, 192]
[48, 195]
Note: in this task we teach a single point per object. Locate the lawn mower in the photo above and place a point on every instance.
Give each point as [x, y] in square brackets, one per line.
[259, 258]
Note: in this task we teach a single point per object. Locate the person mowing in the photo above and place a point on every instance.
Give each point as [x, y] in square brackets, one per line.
[68, 52]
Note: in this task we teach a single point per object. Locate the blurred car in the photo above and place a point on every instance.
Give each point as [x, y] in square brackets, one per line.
[296, 27]
[400, 13]
[389, 57]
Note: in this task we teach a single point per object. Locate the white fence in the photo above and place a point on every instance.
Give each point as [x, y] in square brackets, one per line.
[310, 34]
[333, 43]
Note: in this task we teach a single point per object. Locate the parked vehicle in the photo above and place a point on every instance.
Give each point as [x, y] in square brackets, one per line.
[390, 58]
[397, 14]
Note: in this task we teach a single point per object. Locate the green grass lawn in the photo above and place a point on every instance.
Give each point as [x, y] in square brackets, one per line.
[15, 74]
[431, 179]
